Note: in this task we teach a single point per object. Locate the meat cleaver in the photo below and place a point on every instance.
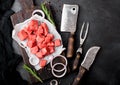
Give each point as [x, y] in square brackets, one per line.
[68, 24]
[86, 63]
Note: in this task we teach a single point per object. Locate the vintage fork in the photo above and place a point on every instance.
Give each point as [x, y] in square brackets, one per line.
[79, 50]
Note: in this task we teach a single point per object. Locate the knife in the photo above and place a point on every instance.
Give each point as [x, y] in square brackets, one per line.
[86, 63]
[68, 24]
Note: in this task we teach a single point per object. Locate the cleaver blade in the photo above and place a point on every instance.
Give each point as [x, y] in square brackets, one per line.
[69, 18]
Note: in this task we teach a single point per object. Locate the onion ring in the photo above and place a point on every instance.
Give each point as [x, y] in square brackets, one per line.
[59, 76]
[56, 82]
[33, 61]
[57, 57]
[40, 11]
[64, 67]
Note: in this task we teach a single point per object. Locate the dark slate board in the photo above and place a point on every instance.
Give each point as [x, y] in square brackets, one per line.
[28, 7]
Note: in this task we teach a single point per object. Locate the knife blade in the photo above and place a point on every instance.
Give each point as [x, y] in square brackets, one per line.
[68, 24]
[86, 63]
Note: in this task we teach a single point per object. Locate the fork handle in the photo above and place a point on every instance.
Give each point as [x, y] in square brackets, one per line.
[70, 46]
[76, 61]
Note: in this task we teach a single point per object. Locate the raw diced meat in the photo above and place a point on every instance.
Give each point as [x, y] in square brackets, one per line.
[33, 25]
[31, 43]
[50, 35]
[39, 54]
[22, 35]
[44, 51]
[42, 45]
[31, 28]
[45, 28]
[50, 43]
[57, 42]
[48, 52]
[32, 37]
[33, 22]
[43, 62]
[40, 39]
[40, 30]
[27, 29]
[47, 39]
[34, 50]
[51, 49]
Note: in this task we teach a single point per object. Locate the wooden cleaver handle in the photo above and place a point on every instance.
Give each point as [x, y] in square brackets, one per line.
[79, 76]
[76, 61]
[70, 46]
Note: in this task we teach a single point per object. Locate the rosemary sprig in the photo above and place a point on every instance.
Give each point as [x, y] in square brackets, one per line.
[47, 12]
[33, 72]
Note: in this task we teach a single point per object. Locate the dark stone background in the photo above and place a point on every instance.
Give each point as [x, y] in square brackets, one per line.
[104, 19]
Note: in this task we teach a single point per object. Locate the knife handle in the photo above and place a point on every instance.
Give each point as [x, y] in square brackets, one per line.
[76, 61]
[70, 46]
[79, 76]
